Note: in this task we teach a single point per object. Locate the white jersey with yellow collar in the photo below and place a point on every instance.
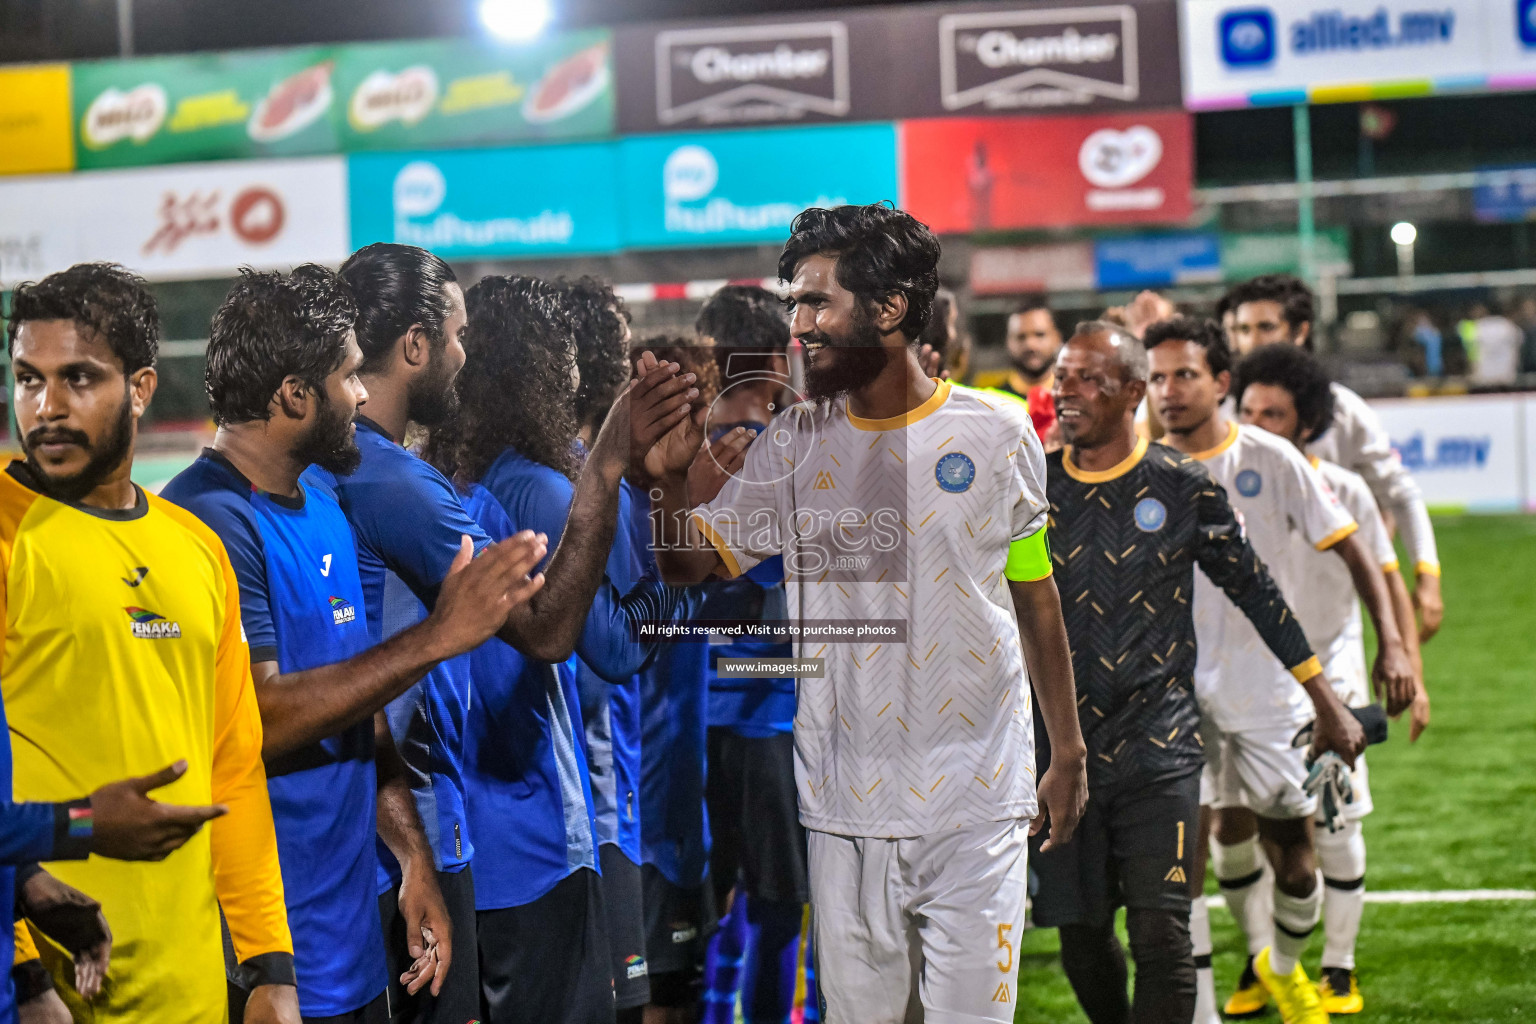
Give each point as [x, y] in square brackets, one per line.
[1286, 510]
[903, 522]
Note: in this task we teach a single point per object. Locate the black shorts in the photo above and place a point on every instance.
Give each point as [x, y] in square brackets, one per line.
[678, 922]
[754, 818]
[459, 999]
[1133, 848]
[376, 1012]
[624, 911]
[548, 960]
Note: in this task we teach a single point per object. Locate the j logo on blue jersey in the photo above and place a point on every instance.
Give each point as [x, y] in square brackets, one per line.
[1248, 37]
[1249, 483]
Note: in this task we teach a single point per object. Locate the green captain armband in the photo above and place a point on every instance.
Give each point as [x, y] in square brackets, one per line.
[1029, 558]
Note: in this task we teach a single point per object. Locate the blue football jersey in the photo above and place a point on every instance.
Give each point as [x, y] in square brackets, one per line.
[525, 766]
[408, 522]
[674, 697]
[301, 604]
[538, 498]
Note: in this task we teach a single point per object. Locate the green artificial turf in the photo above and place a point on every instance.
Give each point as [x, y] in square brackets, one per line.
[1457, 810]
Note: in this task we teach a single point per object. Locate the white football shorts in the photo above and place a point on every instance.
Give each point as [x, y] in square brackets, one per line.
[1257, 769]
[923, 929]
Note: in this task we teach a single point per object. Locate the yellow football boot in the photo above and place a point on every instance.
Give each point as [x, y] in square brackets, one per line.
[1294, 993]
[1340, 991]
[1251, 998]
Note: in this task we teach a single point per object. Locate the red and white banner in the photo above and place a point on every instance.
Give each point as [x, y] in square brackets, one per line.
[180, 222]
[966, 175]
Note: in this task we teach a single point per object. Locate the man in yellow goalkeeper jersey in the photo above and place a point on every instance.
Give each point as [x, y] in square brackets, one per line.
[123, 652]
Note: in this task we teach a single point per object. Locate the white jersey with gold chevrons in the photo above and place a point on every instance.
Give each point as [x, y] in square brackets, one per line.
[901, 527]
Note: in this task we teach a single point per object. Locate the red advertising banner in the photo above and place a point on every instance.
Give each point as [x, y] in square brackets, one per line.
[966, 175]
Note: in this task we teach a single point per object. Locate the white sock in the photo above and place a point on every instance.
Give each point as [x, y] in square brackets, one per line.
[1246, 883]
[1295, 917]
[1205, 984]
[1341, 855]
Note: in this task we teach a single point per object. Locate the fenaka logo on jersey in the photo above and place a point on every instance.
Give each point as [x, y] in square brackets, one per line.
[148, 625]
[753, 73]
[342, 610]
[1006, 60]
[1249, 483]
[635, 967]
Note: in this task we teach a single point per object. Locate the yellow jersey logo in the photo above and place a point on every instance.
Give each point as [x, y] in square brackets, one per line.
[148, 625]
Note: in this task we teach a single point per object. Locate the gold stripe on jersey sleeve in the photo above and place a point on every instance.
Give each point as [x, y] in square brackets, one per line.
[1307, 669]
[1427, 568]
[1337, 535]
[731, 565]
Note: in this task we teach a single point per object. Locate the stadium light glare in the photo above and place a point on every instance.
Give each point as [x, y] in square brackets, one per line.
[1404, 233]
[515, 20]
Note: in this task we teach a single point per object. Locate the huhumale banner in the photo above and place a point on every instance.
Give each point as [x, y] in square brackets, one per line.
[445, 93]
[522, 201]
[158, 110]
[746, 187]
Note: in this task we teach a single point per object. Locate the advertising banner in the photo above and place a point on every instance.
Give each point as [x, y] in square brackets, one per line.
[1246, 254]
[1512, 200]
[177, 223]
[759, 71]
[1002, 58]
[1528, 419]
[1466, 453]
[35, 134]
[216, 106]
[1155, 260]
[911, 61]
[505, 202]
[744, 187]
[1020, 269]
[442, 93]
[965, 175]
[1239, 53]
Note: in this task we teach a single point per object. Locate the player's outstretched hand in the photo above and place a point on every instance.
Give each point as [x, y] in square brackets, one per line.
[273, 1004]
[128, 825]
[665, 430]
[73, 920]
[480, 591]
[1063, 795]
[1394, 678]
[1428, 603]
[716, 463]
[428, 929]
[1418, 715]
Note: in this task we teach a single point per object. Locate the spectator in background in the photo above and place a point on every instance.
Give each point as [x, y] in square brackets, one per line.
[1427, 337]
[1496, 350]
[1525, 318]
[1034, 341]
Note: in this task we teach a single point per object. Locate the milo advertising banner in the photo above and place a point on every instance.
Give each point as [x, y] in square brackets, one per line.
[157, 110]
[425, 94]
[444, 93]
